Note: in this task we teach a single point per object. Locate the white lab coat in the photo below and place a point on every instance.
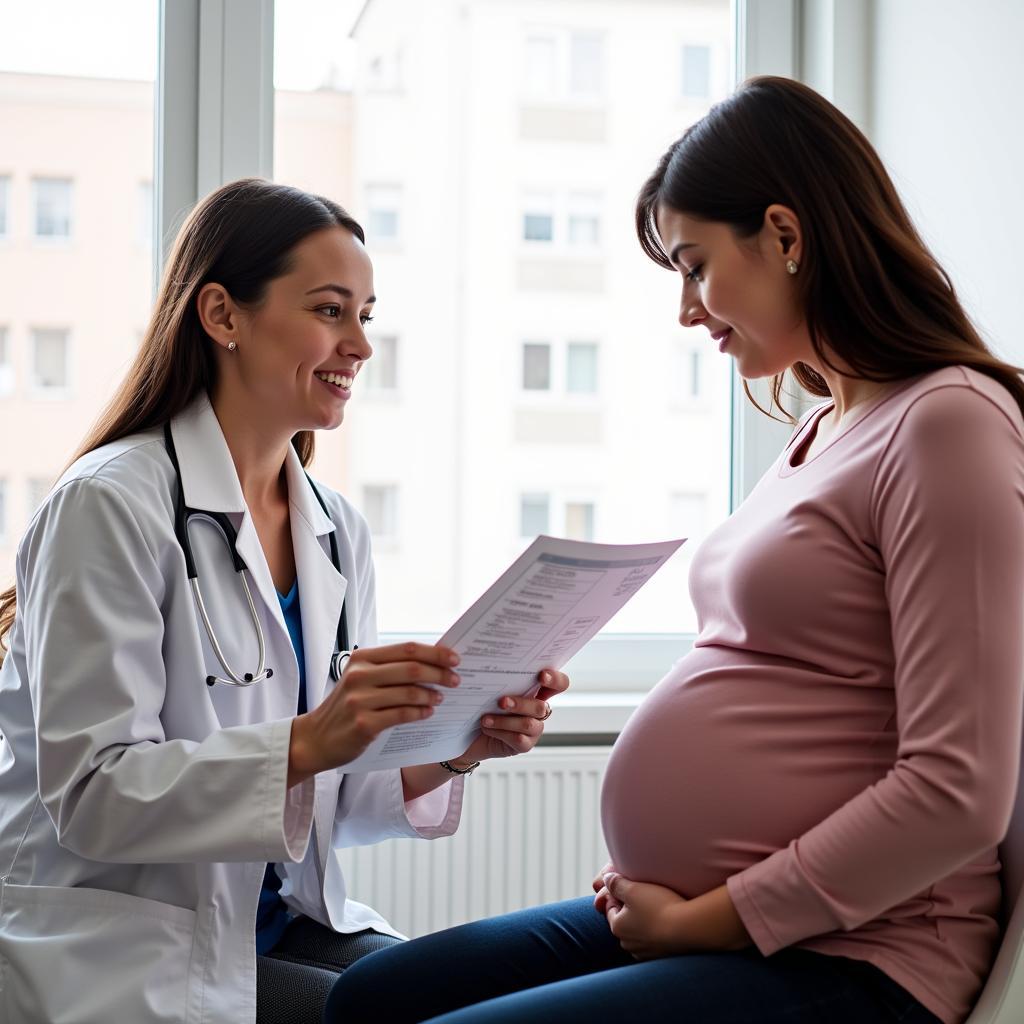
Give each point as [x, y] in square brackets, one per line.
[138, 806]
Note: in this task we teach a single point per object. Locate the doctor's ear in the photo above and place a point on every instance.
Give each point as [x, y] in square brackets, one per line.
[218, 314]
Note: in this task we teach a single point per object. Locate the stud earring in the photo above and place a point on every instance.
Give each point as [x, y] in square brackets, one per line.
[232, 346]
[792, 266]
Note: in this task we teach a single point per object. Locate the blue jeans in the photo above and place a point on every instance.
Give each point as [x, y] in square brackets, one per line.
[562, 963]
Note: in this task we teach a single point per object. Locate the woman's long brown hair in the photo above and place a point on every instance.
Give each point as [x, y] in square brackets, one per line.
[872, 293]
[241, 237]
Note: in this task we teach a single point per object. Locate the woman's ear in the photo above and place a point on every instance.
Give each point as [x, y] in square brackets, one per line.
[782, 233]
[217, 314]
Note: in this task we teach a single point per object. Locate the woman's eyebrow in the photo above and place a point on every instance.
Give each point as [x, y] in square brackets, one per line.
[345, 293]
[677, 249]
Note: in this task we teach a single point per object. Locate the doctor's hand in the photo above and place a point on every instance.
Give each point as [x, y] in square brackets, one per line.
[522, 723]
[380, 687]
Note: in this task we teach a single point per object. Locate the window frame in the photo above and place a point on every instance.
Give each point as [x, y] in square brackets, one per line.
[59, 392]
[38, 180]
[215, 110]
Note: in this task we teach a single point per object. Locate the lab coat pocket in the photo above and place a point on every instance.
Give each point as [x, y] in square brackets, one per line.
[79, 956]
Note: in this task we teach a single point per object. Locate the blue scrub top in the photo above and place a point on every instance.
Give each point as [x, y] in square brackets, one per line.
[272, 915]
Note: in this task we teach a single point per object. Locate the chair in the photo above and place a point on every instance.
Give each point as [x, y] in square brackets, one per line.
[1002, 999]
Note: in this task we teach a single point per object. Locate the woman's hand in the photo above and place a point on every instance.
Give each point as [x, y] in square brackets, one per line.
[651, 921]
[602, 899]
[518, 730]
[380, 687]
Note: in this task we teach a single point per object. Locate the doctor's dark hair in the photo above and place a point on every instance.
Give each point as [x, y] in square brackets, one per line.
[871, 292]
[242, 237]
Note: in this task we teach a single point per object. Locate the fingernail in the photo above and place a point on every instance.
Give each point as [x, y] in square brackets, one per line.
[545, 677]
[437, 697]
[453, 678]
[488, 722]
[509, 703]
[453, 658]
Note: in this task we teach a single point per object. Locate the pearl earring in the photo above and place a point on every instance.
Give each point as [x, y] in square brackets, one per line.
[232, 346]
[792, 266]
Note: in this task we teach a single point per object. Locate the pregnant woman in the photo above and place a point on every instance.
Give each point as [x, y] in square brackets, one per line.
[803, 815]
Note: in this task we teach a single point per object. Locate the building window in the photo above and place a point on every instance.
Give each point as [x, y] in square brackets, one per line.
[534, 514]
[536, 366]
[584, 219]
[579, 520]
[6, 369]
[584, 210]
[586, 64]
[538, 217]
[560, 65]
[38, 489]
[146, 214]
[384, 203]
[380, 506]
[581, 368]
[380, 372]
[5, 190]
[53, 207]
[50, 359]
[541, 66]
[696, 81]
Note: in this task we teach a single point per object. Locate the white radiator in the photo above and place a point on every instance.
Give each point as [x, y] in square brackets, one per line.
[530, 834]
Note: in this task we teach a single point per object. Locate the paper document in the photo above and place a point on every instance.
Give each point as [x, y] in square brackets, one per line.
[549, 602]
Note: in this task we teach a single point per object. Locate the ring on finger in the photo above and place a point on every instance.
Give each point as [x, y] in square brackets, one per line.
[547, 714]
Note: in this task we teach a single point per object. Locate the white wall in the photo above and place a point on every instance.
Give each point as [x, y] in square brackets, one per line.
[946, 85]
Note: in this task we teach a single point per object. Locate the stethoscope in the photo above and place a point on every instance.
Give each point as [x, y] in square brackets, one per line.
[182, 514]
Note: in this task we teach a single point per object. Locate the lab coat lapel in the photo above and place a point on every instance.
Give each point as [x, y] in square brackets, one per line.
[210, 482]
[321, 587]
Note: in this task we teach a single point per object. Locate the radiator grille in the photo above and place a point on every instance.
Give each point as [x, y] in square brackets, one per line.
[530, 834]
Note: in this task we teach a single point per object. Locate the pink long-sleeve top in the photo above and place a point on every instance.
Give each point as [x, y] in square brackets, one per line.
[841, 746]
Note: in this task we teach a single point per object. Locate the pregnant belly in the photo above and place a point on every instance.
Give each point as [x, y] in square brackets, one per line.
[727, 761]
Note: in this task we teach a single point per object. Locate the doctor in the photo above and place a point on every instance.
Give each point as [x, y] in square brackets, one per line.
[169, 838]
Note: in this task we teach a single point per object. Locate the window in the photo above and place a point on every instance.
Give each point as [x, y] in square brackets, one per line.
[380, 506]
[581, 368]
[6, 369]
[563, 64]
[586, 64]
[541, 66]
[38, 489]
[49, 359]
[384, 205]
[5, 189]
[145, 218]
[696, 81]
[579, 520]
[514, 285]
[380, 372]
[571, 219]
[536, 366]
[53, 207]
[584, 212]
[534, 514]
[538, 217]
